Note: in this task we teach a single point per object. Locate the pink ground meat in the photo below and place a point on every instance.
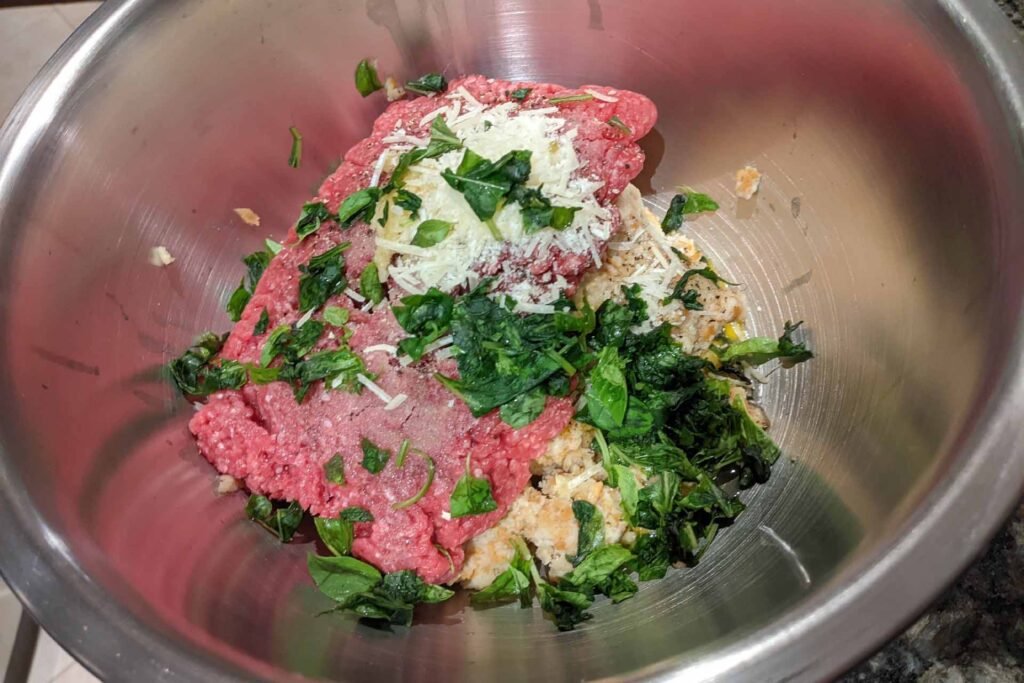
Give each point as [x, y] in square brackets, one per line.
[278, 447]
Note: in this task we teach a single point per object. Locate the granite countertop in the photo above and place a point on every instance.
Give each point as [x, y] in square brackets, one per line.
[975, 632]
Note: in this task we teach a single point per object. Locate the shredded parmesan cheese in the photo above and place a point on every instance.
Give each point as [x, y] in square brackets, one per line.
[354, 295]
[601, 96]
[382, 348]
[374, 388]
[395, 402]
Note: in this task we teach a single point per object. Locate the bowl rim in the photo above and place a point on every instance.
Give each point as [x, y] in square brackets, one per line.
[113, 644]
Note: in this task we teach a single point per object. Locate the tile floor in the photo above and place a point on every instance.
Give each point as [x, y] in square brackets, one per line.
[28, 36]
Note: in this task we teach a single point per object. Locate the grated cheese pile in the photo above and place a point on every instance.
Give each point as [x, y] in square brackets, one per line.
[470, 248]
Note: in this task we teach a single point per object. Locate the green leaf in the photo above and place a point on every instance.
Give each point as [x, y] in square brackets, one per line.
[427, 84]
[407, 586]
[426, 317]
[523, 409]
[334, 470]
[370, 285]
[281, 521]
[629, 491]
[591, 531]
[262, 324]
[336, 316]
[360, 205]
[322, 278]
[374, 457]
[607, 395]
[442, 141]
[259, 375]
[707, 272]
[484, 183]
[684, 204]
[403, 451]
[338, 368]
[511, 584]
[472, 496]
[760, 350]
[431, 232]
[342, 578]
[409, 201]
[313, 215]
[273, 247]
[578, 97]
[238, 301]
[652, 556]
[520, 94]
[596, 568]
[197, 372]
[619, 125]
[336, 534]
[356, 514]
[367, 81]
[295, 156]
[258, 507]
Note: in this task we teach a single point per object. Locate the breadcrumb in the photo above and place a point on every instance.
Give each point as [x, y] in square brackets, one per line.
[249, 217]
[160, 257]
[748, 180]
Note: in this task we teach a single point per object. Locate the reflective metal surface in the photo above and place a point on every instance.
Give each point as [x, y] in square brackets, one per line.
[891, 219]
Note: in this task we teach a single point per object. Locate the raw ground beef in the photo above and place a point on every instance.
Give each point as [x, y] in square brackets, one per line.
[259, 434]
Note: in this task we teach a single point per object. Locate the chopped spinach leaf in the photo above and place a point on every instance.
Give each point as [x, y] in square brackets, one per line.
[295, 156]
[426, 317]
[336, 316]
[282, 521]
[367, 81]
[374, 457]
[338, 368]
[198, 372]
[442, 141]
[336, 534]
[360, 588]
[591, 532]
[322, 278]
[273, 246]
[760, 350]
[511, 584]
[523, 409]
[314, 214]
[428, 84]
[484, 183]
[578, 97]
[360, 205]
[431, 232]
[262, 323]
[520, 94]
[679, 289]
[370, 285]
[408, 201]
[238, 301]
[471, 496]
[334, 470]
[356, 514]
[619, 125]
[607, 395]
[403, 451]
[538, 212]
[685, 204]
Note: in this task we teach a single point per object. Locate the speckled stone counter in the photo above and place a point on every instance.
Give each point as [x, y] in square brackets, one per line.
[975, 632]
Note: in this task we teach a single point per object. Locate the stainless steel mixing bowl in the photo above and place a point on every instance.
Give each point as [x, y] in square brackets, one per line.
[891, 218]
